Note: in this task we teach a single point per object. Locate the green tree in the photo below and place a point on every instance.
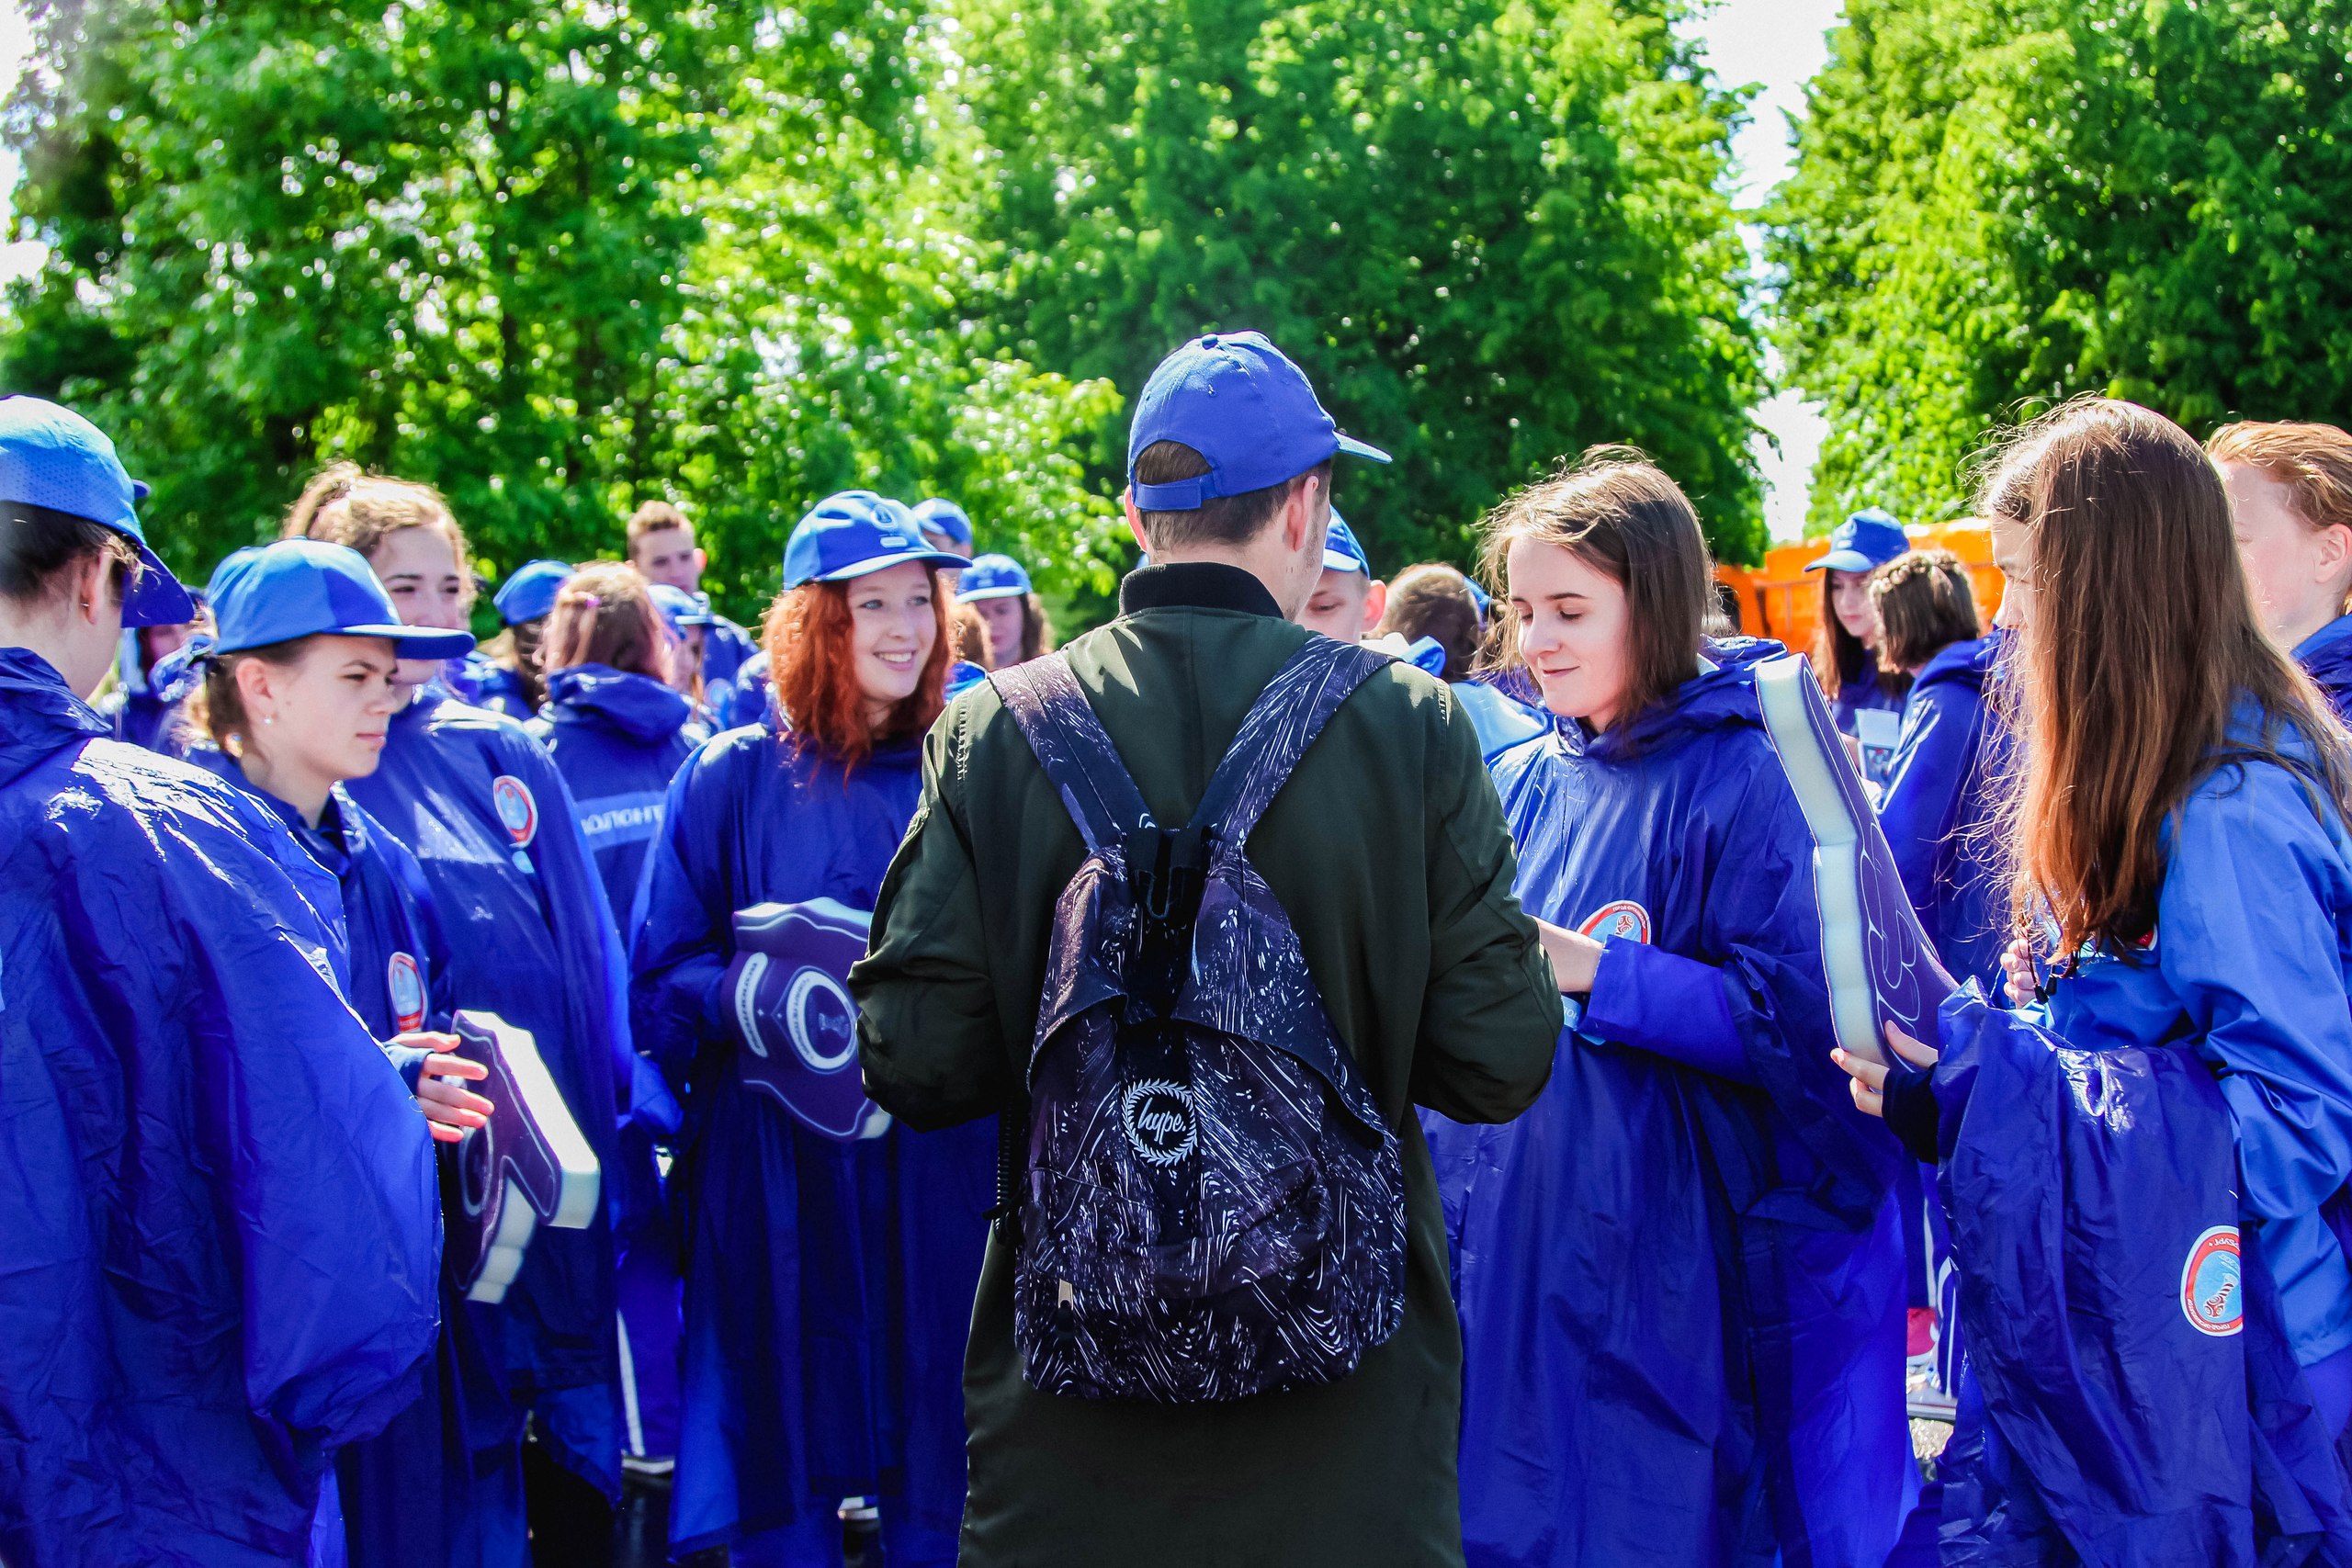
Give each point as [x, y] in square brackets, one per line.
[1492, 230]
[2000, 203]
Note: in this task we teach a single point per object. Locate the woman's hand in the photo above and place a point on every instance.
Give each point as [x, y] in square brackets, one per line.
[1575, 956]
[2016, 968]
[1869, 1086]
[451, 1111]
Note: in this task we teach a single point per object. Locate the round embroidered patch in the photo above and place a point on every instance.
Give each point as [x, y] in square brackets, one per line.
[1159, 1117]
[406, 987]
[2209, 1283]
[517, 810]
[1622, 918]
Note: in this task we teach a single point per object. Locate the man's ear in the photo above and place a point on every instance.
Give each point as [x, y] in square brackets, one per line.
[1375, 604]
[1299, 515]
[1134, 520]
[702, 560]
[2335, 550]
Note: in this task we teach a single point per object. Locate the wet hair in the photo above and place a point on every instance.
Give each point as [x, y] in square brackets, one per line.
[2141, 646]
[42, 549]
[1925, 604]
[343, 504]
[814, 673]
[1434, 600]
[652, 518]
[605, 614]
[1618, 513]
[1222, 520]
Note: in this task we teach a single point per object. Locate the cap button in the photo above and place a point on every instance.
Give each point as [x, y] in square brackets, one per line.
[1208, 340]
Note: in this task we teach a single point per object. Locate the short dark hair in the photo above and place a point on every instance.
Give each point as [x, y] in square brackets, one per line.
[653, 517]
[39, 546]
[1924, 603]
[1221, 520]
[1434, 600]
[1616, 511]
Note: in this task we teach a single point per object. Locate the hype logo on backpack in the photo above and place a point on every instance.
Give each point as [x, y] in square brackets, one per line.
[1210, 1204]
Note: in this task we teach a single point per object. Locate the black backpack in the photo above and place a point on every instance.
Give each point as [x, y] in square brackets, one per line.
[1207, 1203]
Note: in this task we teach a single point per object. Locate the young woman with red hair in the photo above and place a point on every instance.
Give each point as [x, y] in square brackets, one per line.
[831, 1259]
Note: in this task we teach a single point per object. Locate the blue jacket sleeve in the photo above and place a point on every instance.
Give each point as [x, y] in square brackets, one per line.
[327, 1168]
[683, 934]
[1668, 1004]
[1922, 783]
[2248, 937]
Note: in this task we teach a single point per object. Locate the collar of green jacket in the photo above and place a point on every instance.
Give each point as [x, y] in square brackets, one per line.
[1195, 585]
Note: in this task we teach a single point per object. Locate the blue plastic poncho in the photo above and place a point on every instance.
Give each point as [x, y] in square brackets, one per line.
[829, 1285]
[2249, 968]
[618, 740]
[2133, 1398]
[1681, 1290]
[743, 698]
[1937, 806]
[530, 939]
[726, 649]
[442, 1483]
[223, 1235]
[2326, 658]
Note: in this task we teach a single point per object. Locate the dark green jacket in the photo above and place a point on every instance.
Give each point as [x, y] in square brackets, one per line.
[1388, 851]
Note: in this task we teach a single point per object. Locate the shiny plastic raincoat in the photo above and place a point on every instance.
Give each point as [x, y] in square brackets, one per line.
[1679, 1274]
[829, 1284]
[530, 939]
[223, 1231]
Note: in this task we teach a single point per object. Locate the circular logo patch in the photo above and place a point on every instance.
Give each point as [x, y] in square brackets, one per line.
[406, 987]
[2209, 1283]
[517, 810]
[1624, 919]
[1159, 1117]
[821, 1018]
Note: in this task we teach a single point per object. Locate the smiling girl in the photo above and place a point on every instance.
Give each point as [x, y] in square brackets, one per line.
[1679, 1273]
[828, 1282]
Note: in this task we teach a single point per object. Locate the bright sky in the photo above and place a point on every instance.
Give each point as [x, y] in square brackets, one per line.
[1778, 44]
[1775, 43]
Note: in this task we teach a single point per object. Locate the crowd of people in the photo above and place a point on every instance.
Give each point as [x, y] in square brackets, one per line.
[1437, 1149]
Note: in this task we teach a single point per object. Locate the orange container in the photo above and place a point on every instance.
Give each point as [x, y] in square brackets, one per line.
[1782, 601]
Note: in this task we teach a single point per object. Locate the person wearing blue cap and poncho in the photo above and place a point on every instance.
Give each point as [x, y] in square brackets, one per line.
[297, 693]
[144, 707]
[828, 1280]
[997, 590]
[1845, 643]
[531, 939]
[1387, 852]
[1681, 1275]
[223, 1238]
[1348, 600]
[690, 621]
[946, 527]
[506, 677]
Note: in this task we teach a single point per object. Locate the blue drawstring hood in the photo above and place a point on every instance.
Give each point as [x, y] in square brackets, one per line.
[2326, 658]
[638, 705]
[37, 715]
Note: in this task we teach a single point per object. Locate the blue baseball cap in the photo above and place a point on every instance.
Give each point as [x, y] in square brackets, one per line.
[268, 594]
[530, 591]
[1478, 597]
[679, 608]
[853, 533]
[944, 518]
[52, 457]
[1343, 551]
[1867, 541]
[991, 577]
[1236, 400]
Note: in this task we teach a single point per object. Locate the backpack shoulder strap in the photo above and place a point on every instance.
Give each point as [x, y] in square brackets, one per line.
[1277, 730]
[1046, 700]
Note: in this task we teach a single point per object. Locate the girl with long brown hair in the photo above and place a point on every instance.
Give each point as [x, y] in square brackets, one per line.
[2182, 860]
[1681, 1273]
[1845, 641]
[830, 1260]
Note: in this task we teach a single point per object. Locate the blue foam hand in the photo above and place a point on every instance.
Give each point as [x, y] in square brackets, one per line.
[1881, 966]
[529, 1166]
[789, 986]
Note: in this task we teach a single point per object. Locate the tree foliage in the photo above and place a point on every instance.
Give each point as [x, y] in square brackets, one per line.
[1998, 203]
[558, 256]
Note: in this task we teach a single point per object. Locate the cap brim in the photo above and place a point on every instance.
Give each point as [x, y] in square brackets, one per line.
[158, 599]
[410, 642]
[1334, 561]
[1011, 591]
[884, 563]
[1843, 561]
[1355, 448]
